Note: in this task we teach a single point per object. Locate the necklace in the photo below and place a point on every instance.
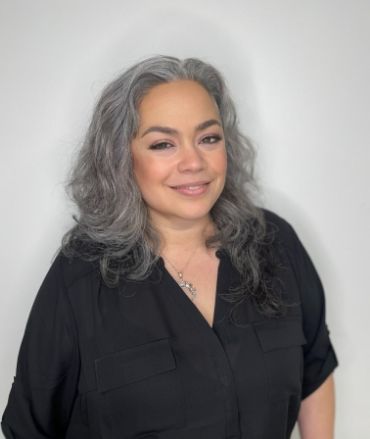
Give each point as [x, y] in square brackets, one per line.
[185, 284]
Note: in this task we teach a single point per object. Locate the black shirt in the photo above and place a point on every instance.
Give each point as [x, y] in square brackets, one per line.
[140, 360]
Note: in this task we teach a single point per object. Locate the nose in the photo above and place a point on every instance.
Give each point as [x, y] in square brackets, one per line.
[191, 159]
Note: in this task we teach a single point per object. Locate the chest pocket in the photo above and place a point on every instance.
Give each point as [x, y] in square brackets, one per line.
[140, 390]
[281, 342]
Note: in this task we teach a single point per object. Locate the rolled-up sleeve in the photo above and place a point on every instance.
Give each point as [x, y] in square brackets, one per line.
[319, 357]
[44, 389]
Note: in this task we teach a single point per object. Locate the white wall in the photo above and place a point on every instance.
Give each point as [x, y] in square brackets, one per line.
[299, 72]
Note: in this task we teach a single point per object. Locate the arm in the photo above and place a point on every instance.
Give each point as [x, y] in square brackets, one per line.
[44, 389]
[316, 416]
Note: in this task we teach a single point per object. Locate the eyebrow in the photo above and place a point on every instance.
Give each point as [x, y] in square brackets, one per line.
[172, 131]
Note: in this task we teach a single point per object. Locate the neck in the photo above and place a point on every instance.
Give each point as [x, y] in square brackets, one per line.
[186, 235]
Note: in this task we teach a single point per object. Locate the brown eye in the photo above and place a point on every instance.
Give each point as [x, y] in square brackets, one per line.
[211, 139]
[160, 146]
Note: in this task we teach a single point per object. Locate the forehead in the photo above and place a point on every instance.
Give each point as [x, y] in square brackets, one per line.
[177, 99]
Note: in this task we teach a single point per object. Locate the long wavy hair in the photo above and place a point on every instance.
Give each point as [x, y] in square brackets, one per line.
[112, 226]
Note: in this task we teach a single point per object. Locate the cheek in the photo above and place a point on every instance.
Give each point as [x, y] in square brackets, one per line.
[220, 162]
[148, 171]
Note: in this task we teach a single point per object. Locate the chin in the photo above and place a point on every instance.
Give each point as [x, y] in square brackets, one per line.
[187, 212]
[194, 215]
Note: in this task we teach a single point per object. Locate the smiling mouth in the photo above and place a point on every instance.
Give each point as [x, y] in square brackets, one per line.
[191, 189]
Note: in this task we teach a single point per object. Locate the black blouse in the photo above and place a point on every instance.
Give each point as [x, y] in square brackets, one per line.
[140, 360]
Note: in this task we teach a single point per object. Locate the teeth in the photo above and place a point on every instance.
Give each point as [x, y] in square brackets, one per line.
[191, 188]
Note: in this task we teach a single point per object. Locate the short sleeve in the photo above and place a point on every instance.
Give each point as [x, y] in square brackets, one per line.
[319, 356]
[44, 388]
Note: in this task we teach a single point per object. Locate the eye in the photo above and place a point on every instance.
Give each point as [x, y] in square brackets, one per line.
[211, 139]
[160, 146]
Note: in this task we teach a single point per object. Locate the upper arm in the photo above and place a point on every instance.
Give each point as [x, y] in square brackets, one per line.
[316, 417]
[319, 356]
[44, 387]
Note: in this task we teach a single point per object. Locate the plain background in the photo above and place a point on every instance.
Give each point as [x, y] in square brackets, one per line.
[299, 73]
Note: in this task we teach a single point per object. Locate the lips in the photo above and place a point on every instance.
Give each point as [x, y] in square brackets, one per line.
[193, 188]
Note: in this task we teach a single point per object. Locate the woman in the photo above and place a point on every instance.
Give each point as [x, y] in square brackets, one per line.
[177, 308]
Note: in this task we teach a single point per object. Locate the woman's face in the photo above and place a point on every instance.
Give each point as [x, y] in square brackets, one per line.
[179, 154]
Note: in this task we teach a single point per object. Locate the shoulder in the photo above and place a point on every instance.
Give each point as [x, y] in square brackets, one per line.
[65, 281]
[294, 257]
[279, 227]
[63, 276]
[274, 219]
[283, 237]
[72, 269]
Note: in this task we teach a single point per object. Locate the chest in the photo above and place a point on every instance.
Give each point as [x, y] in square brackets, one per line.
[199, 284]
[151, 363]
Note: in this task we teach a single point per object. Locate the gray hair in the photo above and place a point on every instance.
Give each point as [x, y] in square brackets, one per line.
[113, 224]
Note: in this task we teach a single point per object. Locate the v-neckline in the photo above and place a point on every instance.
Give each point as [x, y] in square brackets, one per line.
[180, 295]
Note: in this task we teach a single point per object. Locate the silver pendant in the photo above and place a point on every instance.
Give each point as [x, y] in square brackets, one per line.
[188, 285]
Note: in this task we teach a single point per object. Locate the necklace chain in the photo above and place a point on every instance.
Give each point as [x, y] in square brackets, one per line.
[183, 283]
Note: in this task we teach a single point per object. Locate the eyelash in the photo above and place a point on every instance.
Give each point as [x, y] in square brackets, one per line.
[159, 146]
